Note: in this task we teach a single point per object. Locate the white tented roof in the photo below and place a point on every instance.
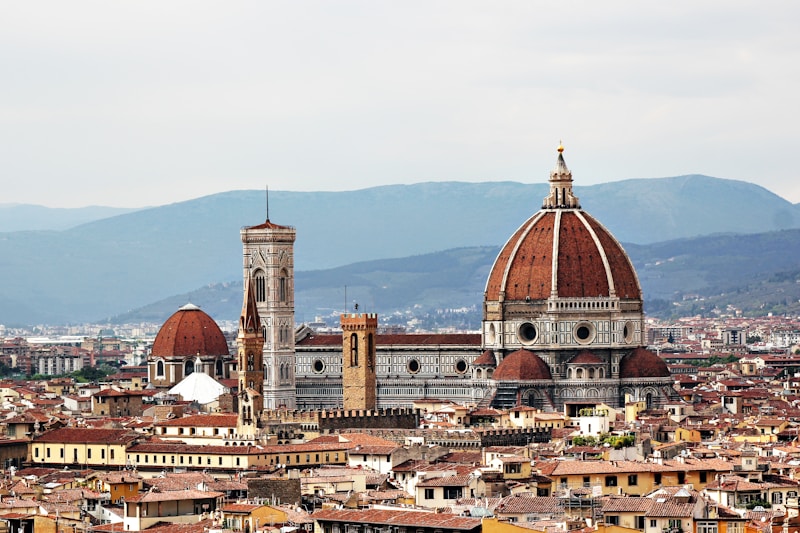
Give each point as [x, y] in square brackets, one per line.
[199, 387]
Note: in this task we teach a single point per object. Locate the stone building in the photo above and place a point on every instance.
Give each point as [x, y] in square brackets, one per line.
[189, 341]
[563, 314]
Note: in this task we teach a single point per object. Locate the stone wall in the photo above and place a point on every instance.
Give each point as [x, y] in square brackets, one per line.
[278, 489]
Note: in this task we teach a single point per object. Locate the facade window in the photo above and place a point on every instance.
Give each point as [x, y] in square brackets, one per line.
[657, 480]
[611, 481]
[633, 480]
[706, 527]
[652, 523]
[429, 494]
[453, 493]
[777, 497]
[160, 369]
[586, 481]
[612, 520]
[102, 454]
[261, 286]
[513, 468]
[282, 286]
[353, 350]
[703, 477]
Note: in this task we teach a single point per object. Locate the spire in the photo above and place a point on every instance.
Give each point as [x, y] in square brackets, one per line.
[561, 195]
[249, 321]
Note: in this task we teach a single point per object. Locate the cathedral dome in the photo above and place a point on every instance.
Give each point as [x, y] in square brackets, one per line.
[562, 252]
[188, 332]
[565, 253]
[642, 363]
[522, 365]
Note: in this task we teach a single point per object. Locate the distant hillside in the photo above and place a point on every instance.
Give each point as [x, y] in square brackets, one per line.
[26, 217]
[755, 273]
[107, 267]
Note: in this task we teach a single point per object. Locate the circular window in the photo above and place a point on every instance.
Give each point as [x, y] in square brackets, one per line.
[584, 332]
[627, 332]
[413, 366]
[527, 333]
[318, 366]
[461, 366]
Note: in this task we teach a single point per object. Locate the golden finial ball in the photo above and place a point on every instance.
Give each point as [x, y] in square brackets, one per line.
[560, 147]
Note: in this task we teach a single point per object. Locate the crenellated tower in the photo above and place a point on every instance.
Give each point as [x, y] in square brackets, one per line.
[268, 261]
[359, 381]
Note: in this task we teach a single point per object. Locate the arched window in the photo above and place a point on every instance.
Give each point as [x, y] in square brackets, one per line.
[219, 367]
[370, 351]
[591, 373]
[160, 369]
[188, 367]
[282, 285]
[353, 349]
[579, 373]
[251, 362]
[261, 286]
[264, 332]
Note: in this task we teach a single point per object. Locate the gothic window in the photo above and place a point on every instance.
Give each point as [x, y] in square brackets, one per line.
[353, 349]
[261, 286]
[251, 362]
[264, 332]
[160, 369]
[282, 289]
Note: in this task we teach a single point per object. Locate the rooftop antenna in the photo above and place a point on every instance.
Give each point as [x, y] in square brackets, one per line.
[267, 191]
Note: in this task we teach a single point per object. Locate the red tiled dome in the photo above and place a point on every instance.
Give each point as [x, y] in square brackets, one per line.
[189, 331]
[588, 258]
[522, 365]
[586, 358]
[487, 358]
[642, 363]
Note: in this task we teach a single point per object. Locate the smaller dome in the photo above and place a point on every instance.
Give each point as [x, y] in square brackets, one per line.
[586, 358]
[642, 363]
[522, 365]
[188, 332]
[485, 359]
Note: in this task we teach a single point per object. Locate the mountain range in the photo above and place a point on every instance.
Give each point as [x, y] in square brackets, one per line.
[114, 265]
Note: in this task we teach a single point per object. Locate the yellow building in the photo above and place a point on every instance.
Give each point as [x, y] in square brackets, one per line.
[251, 517]
[120, 485]
[160, 455]
[632, 477]
[81, 447]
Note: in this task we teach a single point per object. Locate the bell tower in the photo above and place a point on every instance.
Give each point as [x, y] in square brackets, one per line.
[359, 382]
[268, 261]
[250, 343]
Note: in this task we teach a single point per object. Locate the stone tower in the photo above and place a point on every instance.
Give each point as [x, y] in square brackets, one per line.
[250, 343]
[268, 252]
[359, 382]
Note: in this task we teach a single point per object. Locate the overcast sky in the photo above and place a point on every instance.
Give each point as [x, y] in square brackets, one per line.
[146, 103]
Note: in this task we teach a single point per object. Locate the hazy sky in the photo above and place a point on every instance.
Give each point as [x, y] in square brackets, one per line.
[146, 103]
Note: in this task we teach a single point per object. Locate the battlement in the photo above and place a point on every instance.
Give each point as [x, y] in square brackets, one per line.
[351, 321]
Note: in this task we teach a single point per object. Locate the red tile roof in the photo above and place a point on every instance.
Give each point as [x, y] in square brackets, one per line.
[399, 518]
[87, 436]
